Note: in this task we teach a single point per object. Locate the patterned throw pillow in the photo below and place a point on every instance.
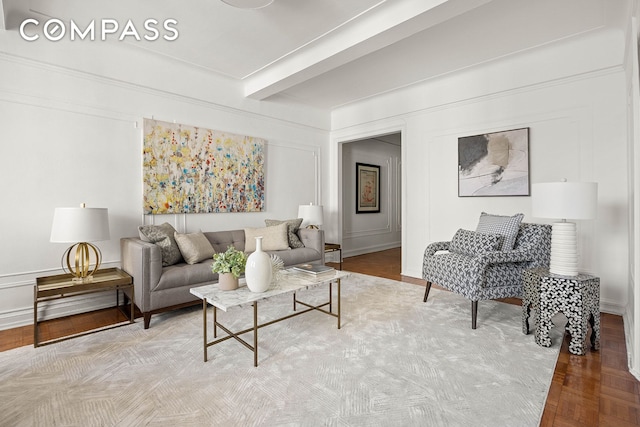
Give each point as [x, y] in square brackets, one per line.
[194, 247]
[162, 235]
[508, 226]
[467, 242]
[293, 225]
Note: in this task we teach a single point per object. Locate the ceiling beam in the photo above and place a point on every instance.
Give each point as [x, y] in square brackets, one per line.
[378, 27]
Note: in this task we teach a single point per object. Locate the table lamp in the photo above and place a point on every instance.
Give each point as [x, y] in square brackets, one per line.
[80, 226]
[564, 200]
[311, 215]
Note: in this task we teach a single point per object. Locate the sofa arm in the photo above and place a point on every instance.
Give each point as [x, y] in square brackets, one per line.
[143, 261]
[313, 238]
[434, 247]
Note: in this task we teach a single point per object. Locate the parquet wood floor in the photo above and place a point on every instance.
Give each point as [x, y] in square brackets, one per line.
[592, 390]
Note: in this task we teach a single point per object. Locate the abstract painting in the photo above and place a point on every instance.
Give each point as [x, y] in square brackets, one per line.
[494, 164]
[187, 169]
[367, 188]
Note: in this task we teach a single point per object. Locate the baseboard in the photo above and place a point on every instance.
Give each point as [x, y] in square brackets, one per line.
[628, 331]
[412, 273]
[58, 308]
[612, 308]
[370, 249]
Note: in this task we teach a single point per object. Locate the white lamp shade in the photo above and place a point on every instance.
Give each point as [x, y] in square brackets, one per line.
[71, 225]
[310, 214]
[565, 200]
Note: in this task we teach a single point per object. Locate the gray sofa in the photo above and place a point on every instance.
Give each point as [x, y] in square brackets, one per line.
[159, 289]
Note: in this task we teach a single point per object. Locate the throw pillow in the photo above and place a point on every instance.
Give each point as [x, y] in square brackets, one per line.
[194, 247]
[162, 235]
[273, 238]
[507, 226]
[293, 225]
[467, 242]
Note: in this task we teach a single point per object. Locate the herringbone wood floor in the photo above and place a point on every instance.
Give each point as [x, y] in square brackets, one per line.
[591, 390]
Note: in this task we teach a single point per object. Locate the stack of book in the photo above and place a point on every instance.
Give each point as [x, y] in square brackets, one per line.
[314, 270]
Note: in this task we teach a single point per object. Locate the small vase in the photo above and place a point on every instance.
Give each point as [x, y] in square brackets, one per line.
[257, 272]
[227, 281]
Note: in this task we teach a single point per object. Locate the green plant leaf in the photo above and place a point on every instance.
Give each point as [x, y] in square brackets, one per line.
[231, 261]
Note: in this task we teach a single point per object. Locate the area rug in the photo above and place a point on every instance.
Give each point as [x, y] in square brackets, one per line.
[395, 361]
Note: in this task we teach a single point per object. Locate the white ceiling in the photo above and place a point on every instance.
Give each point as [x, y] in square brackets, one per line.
[328, 53]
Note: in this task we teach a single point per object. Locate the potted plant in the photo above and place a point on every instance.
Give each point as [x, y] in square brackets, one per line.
[229, 265]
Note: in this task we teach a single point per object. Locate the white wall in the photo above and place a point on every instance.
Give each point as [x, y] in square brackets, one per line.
[575, 108]
[370, 232]
[71, 135]
[632, 313]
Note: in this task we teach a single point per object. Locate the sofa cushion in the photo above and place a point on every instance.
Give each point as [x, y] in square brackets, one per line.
[507, 226]
[221, 240]
[293, 225]
[162, 235]
[467, 242]
[273, 238]
[185, 275]
[194, 247]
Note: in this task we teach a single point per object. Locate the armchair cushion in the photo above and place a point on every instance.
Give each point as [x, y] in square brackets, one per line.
[507, 226]
[467, 242]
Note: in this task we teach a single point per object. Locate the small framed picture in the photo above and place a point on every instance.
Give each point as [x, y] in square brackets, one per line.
[367, 188]
[494, 164]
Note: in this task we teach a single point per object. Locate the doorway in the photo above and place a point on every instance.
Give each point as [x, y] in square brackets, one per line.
[378, 226]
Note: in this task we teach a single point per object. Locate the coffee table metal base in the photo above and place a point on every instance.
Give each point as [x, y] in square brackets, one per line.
[254, 347]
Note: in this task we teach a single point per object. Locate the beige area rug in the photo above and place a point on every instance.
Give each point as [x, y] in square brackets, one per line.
[396, 362]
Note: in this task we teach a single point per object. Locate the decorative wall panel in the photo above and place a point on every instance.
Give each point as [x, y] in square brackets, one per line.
[187, 169]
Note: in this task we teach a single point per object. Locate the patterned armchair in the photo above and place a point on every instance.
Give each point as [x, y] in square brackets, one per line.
[478, 268]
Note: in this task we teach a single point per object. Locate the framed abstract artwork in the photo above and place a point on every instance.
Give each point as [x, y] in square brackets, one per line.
[494, 164]
[367, 188]
[189, 169]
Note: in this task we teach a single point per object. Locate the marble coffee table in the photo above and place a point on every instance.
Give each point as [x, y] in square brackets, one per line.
[288, 282]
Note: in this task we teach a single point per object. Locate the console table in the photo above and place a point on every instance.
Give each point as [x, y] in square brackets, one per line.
[63, 286]
[577, 297]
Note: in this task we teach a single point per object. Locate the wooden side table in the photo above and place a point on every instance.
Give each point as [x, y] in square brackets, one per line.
[334, 247]
[577, 297]
[62, 286]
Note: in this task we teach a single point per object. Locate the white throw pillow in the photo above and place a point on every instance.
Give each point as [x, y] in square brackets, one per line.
[293, 225]
[274, 238]
[194, 247]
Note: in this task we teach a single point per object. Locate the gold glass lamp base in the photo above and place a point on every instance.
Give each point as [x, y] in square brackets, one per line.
[79, 264]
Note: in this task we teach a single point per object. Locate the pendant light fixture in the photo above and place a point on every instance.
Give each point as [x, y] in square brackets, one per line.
[248, 4]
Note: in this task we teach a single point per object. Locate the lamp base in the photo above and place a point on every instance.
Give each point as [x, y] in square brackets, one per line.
[86, 279]
[564, 249]
[80, 268]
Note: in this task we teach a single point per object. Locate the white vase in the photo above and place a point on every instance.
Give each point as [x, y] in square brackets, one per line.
[258, 269]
